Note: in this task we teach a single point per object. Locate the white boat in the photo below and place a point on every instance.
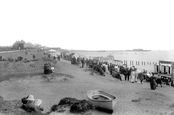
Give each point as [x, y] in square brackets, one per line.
[101, 99]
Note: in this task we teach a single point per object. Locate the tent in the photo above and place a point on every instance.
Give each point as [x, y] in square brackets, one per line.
[51, 50]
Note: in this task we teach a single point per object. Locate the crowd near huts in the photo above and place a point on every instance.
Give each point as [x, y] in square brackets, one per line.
[116, 68]
[107, 65]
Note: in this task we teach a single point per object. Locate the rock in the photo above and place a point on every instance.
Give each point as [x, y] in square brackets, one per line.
[72, 105]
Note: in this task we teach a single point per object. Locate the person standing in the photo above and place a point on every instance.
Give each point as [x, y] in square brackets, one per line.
[106, 67]
[153, 83]
[78, 61]
[129, 73]
[83, 62]
[58, 57]
[87, 62]
[141, 77]
[133, 74]
[126, 74]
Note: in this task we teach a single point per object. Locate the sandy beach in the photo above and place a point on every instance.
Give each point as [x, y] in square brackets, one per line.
[72, 81]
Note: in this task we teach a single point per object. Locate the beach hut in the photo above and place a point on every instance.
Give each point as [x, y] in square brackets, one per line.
[166, 69]
[156, 68]
[118, 62]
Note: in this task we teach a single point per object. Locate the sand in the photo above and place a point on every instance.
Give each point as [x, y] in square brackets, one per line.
[72, 81]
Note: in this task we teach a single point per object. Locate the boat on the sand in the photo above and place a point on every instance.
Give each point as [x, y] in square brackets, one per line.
[101, 99]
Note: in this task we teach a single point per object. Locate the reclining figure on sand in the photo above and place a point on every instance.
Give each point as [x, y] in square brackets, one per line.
[48, 68]
[31, 105]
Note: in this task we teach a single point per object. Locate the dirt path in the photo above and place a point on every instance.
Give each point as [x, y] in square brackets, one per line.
[133, 99]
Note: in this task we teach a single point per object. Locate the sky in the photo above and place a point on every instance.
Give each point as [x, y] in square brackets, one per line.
[89, 24]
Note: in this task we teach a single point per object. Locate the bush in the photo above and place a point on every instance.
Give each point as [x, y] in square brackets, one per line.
[64, 103]
[68, 101]
[20, 58]
[81, 107]
[75, 106]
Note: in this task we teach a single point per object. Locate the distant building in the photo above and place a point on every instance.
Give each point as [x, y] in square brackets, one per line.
[138, 50]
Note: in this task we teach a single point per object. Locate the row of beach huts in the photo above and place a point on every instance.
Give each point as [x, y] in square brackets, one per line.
[162, 67]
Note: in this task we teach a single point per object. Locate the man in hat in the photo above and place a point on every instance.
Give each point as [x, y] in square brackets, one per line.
[31, 104]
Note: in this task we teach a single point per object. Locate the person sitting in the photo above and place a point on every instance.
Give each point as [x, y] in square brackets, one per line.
[30, 104]
[48, 68]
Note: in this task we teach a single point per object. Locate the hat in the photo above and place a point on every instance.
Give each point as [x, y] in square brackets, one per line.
[30, 97]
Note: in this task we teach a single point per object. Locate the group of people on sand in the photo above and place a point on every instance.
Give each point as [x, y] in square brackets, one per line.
[129, 74]
[90, 63]
[57, 57]
[118, 71]
[81, 62]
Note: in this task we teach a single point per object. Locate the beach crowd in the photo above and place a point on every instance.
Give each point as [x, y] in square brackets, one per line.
[122, 72]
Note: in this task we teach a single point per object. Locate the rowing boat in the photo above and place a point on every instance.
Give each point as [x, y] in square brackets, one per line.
[101, 99]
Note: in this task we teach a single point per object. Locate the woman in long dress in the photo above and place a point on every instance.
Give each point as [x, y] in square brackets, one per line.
[133, 76]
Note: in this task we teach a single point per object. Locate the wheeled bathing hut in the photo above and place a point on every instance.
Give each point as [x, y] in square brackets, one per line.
[165, 69]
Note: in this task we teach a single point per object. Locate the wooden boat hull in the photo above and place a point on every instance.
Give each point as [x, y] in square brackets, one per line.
[108, 103]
